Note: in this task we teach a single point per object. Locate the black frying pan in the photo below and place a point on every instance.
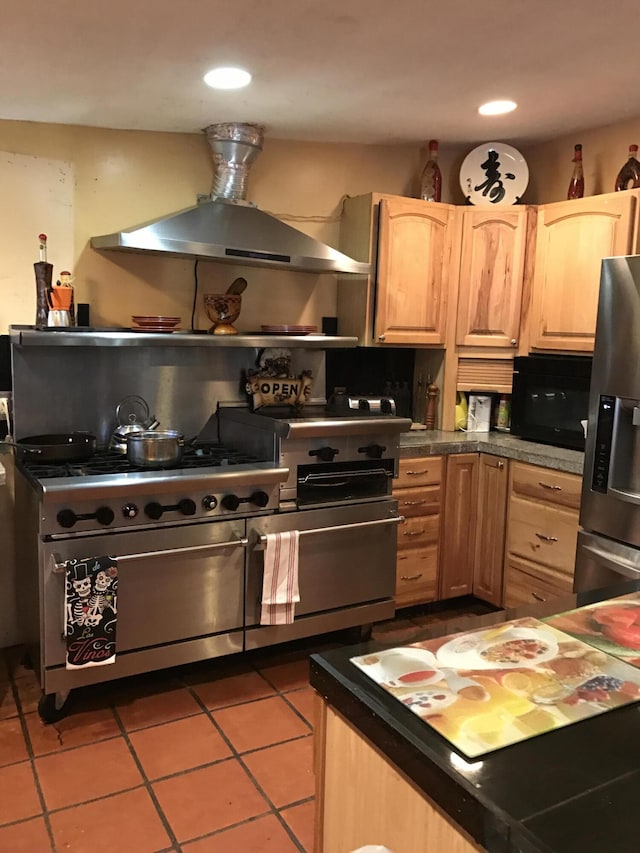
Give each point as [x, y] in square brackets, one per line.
[57, 447]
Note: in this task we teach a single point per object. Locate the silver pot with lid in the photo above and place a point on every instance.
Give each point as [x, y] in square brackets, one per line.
[161, 448]
[132, 417]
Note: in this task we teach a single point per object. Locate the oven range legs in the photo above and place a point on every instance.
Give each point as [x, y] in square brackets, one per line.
[51, 706]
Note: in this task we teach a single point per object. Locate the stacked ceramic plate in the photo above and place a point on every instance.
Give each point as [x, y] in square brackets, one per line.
[154, 324]
[289, 330]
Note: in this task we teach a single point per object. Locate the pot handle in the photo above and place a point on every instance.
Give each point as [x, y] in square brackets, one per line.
[21, 448]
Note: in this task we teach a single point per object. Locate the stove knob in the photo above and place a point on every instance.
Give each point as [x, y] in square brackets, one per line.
[154, 510]
[187, 507]
[260, 499]
[231, 502]
[129, 510]
[209, 502]
[66, 518]
[105, 515]
[325, 454]
[374, 451]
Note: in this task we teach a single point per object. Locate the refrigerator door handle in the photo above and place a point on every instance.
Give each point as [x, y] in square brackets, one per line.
[608, 560]
[630, 497]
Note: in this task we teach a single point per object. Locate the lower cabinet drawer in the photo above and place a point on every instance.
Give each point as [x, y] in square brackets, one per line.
[423, 501]
[525, 584]
[543, 534]
[416, 576]
[425, 471]
[418, 532]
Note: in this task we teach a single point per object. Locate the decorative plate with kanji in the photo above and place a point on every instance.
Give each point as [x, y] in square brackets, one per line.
[494, 174]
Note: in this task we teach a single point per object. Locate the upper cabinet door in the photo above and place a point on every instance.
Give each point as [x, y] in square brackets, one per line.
[491, 276]
[414, 251]
[572, 239]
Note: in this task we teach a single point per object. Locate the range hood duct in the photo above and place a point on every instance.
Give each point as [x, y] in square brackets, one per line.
[226, 227]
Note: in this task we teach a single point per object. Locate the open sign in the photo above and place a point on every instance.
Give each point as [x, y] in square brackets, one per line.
[280, 391]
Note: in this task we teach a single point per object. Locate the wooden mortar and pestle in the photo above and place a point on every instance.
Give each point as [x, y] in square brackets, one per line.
[237, 286]
[223, 308]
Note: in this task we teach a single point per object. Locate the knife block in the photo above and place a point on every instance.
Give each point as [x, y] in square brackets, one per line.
[44, 275]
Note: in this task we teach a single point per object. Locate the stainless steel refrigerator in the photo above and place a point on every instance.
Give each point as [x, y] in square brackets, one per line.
[609, 541]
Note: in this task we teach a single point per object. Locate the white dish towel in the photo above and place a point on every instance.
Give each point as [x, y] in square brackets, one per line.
[280, 591]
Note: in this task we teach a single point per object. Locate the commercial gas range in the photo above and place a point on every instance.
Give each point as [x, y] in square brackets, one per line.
[338, 493]
[189, 541]
[179, 537]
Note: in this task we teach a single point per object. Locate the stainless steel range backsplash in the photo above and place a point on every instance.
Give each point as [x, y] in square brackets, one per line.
[61, 389]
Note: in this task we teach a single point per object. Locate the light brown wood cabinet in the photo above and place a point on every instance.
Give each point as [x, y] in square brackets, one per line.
[572, 238]
[491, 525]
[542, 531]
[458, 539]
[473, 527]
[362, 798]
[491, 273]
[418, 490]
[408, 243]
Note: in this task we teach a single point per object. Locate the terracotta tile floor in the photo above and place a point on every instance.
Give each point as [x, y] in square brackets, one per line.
[211, 757]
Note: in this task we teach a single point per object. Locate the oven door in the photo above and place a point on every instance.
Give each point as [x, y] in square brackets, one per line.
[178, 588]
[344, 482]
[346, 574]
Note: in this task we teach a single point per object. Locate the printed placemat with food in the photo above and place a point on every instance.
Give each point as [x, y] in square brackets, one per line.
[613, 626]
[483, 690]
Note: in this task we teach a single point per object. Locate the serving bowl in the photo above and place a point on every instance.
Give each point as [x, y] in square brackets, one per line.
[222, 309]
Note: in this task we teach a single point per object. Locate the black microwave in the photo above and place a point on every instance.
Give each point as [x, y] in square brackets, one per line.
[550, 398]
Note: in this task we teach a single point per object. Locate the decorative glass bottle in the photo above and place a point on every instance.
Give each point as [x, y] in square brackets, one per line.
[629, 176]
[431, 179]
[44, 274]
[576, 184]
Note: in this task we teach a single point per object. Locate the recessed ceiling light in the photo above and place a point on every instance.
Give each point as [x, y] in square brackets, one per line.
[497, 108]
[227, 78]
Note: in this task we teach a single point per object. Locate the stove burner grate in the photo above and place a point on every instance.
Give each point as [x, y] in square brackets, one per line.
[109, 462]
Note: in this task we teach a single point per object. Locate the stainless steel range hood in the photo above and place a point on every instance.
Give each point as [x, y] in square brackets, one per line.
[225, 227]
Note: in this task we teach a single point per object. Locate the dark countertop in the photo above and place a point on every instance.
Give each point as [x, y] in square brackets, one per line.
[437, 442]
[573, 790]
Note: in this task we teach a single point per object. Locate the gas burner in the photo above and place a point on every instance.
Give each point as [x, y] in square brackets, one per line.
[109, 462]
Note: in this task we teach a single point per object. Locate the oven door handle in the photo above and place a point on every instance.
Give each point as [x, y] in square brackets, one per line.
[58, 565]
[351, 475]
[398, 519]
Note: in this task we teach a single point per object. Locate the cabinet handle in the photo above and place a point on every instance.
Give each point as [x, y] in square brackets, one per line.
[547, 538]
[549, 486]
[413, 503]
[538, 597]
[500, 465]
[381, 337]
[413, 532]
[410, 577]
[416, 473]
[514, 342]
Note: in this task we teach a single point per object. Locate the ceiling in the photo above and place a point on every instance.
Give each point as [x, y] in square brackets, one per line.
[369, 71]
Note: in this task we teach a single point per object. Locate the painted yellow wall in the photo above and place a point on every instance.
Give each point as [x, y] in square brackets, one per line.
[124, 178]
